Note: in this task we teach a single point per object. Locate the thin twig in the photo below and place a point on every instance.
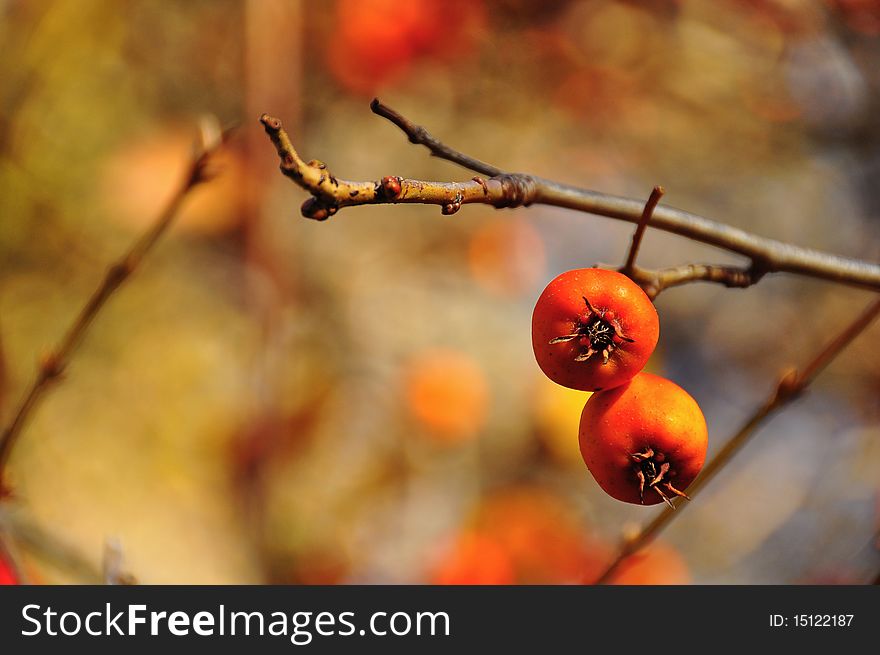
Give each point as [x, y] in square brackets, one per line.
[790, 386]
[517, 189]
[420, 136]
[653, 282]
[647, 212]
[53, 364]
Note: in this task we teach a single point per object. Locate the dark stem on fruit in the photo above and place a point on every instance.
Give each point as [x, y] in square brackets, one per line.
[597, 331]
[652, 468]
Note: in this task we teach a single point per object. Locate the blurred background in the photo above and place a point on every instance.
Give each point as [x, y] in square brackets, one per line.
[272, 399]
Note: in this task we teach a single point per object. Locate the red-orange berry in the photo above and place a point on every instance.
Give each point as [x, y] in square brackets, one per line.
[645, 441]
[593, 329]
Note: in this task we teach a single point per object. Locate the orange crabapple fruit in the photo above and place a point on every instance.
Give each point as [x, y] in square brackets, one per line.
[593, 329]
[644, 441]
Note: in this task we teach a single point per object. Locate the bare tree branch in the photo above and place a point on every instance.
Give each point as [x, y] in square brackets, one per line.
[329, 194]
[653, 282]
[790, 386]
[53, 364]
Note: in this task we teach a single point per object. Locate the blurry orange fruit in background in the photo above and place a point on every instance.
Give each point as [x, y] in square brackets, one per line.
[658, 564]
[544, 539]
[528, 535]
[138, 180]
[506, 256]
[375, 41]
[474, 559]
[447, 393]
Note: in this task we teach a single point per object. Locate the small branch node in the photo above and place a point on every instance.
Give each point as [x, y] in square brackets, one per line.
[517, 190]
[118, 272]
[452, 207]
[479, 180]
[790, 386]
[317, 209]
[51, 367]
[390, 187]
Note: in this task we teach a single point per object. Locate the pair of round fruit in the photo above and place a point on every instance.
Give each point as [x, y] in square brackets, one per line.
[642, 437]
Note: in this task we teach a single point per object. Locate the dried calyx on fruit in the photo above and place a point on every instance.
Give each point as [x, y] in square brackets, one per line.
[651, 470]
[596, 332]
